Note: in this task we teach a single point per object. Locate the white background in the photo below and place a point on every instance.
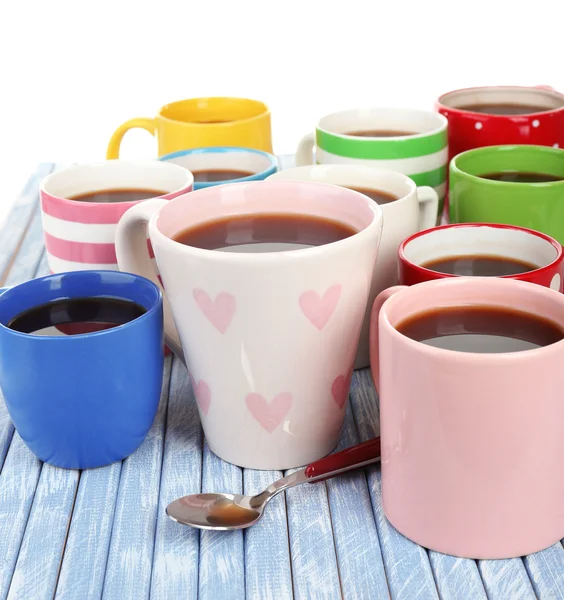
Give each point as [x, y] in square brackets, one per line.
[72, 71]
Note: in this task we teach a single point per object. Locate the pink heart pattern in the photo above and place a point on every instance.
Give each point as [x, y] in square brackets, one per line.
[319, 310]
[203, 395]
[340, 388]
[218, 312]
[269, 414]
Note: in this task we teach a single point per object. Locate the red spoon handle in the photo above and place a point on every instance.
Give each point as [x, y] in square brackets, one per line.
[350, 457]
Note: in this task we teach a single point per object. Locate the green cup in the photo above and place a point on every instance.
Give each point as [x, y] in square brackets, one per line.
[475, 199]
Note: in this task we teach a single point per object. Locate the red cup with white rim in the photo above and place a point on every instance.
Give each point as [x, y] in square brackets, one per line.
[499, 115]
[481, 250]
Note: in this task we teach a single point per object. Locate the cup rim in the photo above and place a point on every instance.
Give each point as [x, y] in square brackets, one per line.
[426, 271]
[259, 103]
[262, 257]
[483, 358]
[364, 140]
[157, 303]
[90, 206]
[361, 169]
[440, 101]
[455, 168]
[224, 150]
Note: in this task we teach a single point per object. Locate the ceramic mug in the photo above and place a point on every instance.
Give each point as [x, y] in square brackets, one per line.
[414, 209]
[472, 447]
[422, 155]
[475, 199]
[202, 122]
[254, 165]
[463, 241]
[268, 335]
[542, 124]
[83, 401]
[80, 235]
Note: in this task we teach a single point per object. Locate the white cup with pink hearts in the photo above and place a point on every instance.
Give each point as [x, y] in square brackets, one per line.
[266, 288]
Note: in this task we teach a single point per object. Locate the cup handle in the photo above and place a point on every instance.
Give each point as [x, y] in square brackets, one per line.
[133, 257]
[428, 207]
[304, 153]
[115, 141]
[374, 342]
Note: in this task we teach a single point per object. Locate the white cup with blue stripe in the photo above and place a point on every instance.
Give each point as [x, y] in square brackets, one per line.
[217, 165]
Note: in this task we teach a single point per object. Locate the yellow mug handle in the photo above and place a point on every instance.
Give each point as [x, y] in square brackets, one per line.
[115, 142]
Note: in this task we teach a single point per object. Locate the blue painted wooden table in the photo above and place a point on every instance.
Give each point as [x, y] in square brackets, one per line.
[104, 533]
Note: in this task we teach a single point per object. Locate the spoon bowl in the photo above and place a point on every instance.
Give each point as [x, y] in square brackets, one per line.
[215, 511]
[235, 511]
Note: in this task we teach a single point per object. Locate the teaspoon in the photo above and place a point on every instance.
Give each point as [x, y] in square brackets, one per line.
[234, 511]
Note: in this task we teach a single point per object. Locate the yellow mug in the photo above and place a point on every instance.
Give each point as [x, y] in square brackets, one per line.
[203, 122]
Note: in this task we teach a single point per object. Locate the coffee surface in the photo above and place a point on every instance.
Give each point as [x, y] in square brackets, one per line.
[118, 195]
[379, 196]
[504, 109]
[481, 329]
[76, 315]
[479, 265]
[264, 233]
[381, 133]
[522, 177]
[212, 175]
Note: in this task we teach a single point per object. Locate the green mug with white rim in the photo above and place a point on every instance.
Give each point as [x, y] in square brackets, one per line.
[514, 185]
[412, 142]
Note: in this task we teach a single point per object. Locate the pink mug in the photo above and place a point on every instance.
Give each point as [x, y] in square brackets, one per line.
[472, 448]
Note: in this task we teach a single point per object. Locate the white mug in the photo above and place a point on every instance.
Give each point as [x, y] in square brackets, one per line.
[414, 210]
[268, 335]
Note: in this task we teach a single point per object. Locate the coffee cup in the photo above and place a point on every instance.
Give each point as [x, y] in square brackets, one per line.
[202, 122]
[268, 325]
[472, 447]
[82, 401]
[219, 165]
[515, 185]
[482, 250]
[495, 115]
[82, 204]
[405, 207]
[413, 142]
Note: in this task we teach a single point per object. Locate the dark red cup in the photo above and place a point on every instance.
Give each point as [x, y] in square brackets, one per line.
[420, 252]
[468, 129]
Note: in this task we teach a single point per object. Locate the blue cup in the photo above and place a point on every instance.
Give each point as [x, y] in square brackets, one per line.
[259, 164]
[87, 400]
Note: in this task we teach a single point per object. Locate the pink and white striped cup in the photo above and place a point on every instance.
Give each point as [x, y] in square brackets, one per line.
[80, 235]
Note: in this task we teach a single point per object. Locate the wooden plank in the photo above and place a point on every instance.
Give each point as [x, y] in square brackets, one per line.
[505, 579]
[407, 565]
[27, 260]
[130, 558]
[268, 570]
[456, 577]
[222, 561]
[546, 571]
[19, 218]
[315, 570]
[37, 569]
[176, 555]
[86, 552]
[356, 538]
[18, 482]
